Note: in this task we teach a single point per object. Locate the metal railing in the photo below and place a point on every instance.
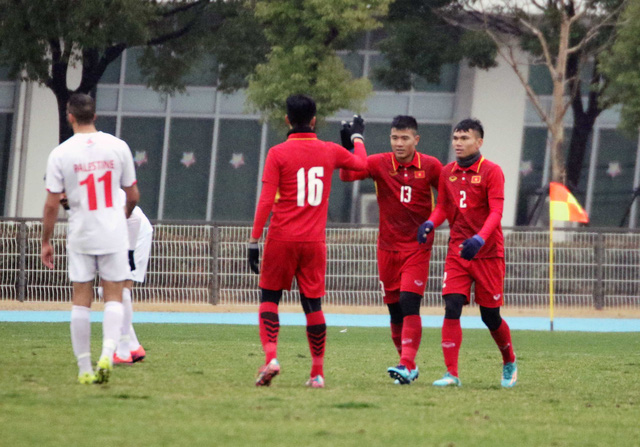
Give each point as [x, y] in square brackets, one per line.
[202, 263]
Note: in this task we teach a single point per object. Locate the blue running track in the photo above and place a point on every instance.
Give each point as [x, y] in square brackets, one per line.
[334, 320]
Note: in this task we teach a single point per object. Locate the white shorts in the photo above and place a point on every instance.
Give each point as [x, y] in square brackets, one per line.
[110, 266]
[141, 257]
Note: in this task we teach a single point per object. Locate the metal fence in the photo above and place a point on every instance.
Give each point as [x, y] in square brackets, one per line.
[206, 263]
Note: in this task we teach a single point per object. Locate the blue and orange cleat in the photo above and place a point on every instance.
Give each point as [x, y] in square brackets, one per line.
[138, 355]
[315, 382]
[509, 375]
[402, 374]
[447, 380]
[267, 372]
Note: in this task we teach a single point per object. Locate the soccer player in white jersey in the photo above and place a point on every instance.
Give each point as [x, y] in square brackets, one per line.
[90, 167]
[140, 232]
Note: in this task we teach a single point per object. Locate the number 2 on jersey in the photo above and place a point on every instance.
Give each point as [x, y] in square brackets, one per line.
[315, 186]
[91, 190]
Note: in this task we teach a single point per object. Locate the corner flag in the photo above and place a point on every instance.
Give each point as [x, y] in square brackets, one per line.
[563, 206]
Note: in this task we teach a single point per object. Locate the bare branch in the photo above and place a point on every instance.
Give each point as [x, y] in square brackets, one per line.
[545, 46]
[595, 30]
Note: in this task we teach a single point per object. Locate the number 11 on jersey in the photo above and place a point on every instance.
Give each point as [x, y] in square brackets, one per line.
[92, 194]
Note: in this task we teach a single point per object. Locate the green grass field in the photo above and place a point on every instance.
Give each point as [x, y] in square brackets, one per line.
[196, 388]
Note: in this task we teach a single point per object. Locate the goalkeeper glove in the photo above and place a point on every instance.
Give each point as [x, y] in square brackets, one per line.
[65, 203]
[423, 230]
[132, 262]
[470, 247]
[357, 128]
[253, 256]
[345, 136]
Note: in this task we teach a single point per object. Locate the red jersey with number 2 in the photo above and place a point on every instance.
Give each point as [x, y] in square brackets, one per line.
[467, 196]
[302, 168]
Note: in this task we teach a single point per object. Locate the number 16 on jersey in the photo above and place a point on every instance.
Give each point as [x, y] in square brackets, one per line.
[314, 185]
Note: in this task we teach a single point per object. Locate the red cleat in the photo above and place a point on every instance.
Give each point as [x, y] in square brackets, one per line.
[120, 361]
[138, 355]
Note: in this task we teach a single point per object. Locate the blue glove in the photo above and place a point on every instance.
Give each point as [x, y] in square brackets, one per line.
[471, 247]
[424, 230]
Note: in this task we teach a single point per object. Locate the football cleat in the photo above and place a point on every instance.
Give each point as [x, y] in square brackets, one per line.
[267, 372]
[120, 361]
[86, 378]
[448, 380]
[138, 355]
[315, 382]
[509, 375]
[103, 369]
[402, 374]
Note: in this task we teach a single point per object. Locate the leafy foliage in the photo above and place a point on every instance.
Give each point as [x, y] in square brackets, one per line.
[304, 35]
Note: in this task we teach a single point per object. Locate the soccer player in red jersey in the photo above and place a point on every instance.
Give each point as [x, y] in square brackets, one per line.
[471, 198]
[404, 179]
[295, 185]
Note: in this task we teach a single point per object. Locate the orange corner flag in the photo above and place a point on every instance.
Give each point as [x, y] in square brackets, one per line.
[563, 206]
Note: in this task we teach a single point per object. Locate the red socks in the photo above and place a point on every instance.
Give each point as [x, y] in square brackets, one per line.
[396, 336]
[451, 341]
[317, 336]
[269, 328]
[411, 337]
[502, 337]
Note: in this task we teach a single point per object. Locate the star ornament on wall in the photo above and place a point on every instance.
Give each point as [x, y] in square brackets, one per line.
[188, 158]
[140, 158]
[237, 160]
[526, 167]
[614, 169]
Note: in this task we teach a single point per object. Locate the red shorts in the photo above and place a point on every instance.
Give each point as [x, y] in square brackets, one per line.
[282, 260]
[487, 273]
[406, 271]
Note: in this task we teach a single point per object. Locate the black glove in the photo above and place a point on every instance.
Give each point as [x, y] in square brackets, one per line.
[357, 128]
[345, 136]
[253, 256]
[132, 261]
[65, 203]
[471, 247]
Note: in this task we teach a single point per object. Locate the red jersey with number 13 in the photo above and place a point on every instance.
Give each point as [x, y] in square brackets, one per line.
[302, 168]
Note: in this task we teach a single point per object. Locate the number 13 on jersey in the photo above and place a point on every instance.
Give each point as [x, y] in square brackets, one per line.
[311, 183]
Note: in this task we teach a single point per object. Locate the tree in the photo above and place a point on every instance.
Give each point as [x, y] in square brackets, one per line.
[40, 40]
[563, 35]
[304, 36]
[622, 66]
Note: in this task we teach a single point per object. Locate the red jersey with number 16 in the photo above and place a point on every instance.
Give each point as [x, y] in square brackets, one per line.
[467, 196]
[301, 168]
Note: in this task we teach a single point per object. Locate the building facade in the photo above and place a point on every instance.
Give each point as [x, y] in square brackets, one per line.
[199, 154]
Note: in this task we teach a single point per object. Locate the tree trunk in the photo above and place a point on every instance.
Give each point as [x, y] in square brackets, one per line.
[582, 129]
[64, 129]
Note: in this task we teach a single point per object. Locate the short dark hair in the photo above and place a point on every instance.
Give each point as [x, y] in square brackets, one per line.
[402, 122]
[300, 109]
[82, 107]
[470, 124]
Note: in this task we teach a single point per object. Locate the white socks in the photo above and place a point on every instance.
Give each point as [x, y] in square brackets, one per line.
[81, 337]
[111, 327]
[124, 349]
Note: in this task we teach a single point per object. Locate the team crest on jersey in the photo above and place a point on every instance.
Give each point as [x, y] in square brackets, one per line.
[419, 174]
[476, 179]
[453, 178]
